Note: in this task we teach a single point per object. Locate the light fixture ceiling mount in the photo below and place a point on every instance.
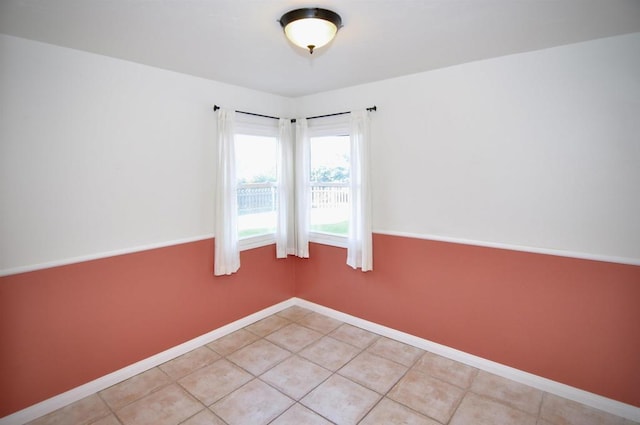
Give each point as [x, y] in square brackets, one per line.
[310, 27]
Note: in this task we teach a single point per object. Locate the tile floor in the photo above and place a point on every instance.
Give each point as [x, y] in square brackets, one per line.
[299, 367]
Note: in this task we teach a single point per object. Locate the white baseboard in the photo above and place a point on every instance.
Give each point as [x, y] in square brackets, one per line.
[593, 400]
[104, 382]
[590, 399]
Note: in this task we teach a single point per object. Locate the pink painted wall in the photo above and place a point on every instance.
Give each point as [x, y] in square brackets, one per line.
[65, 326]
[569, 320]
[573, 321]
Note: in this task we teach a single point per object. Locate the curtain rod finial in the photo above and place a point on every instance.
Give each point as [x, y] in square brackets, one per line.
[215, 108]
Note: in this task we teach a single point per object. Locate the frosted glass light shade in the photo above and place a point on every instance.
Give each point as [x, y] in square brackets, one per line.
[310, 28]
[310, 33]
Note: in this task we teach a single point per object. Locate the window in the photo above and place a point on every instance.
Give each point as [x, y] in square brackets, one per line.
[329, 182]
[264, 197]
[256, 147]
[257, 186]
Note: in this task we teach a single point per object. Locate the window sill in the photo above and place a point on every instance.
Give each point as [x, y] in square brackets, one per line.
[270, 239]
[256, 241]
[328, 239]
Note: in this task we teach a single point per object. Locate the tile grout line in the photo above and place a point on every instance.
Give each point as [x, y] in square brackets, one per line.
[500, 401]
[108, 407]
[332, 373]
[467, 391]
[364, 350]
[544, 396]
[291, 355]
[171, 381]
[254, 376]
[395, 384]
[398, 382]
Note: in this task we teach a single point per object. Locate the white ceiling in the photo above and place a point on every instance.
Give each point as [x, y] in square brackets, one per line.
[240, 41]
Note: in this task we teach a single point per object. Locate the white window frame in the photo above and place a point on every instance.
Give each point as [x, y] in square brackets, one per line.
[326, 127]
[256, 126]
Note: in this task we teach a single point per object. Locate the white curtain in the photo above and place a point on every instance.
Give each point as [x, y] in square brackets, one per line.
[227, 254]
[359, 242]
[302, 190]
[285, 227]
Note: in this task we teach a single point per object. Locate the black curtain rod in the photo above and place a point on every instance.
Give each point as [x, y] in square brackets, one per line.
[216, 107]
[371, 109]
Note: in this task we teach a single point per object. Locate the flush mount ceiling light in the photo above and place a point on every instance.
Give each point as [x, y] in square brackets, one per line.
[311, 27]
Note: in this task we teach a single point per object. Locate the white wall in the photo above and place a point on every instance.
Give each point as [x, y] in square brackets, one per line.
[538, 150]
[99, 154]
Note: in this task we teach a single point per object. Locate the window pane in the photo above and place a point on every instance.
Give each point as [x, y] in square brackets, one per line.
[257, 191]
[330, 184]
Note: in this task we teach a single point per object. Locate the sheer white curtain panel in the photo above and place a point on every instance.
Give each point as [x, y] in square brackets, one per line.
[302, 190]
[360, 240]
[285, 227]
[227, 253]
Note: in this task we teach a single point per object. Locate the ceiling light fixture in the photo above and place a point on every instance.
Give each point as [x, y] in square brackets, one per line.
[311, 27]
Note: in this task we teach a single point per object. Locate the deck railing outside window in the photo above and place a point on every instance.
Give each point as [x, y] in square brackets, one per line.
[257, 207]
[254, 198]
[329, 195]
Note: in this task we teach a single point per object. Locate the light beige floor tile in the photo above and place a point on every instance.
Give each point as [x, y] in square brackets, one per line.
[330, 353]
[134, 388]
[294, 337]
[255, 403]
[189, 362]
[84, 411]
[396, 351]
[478, 410]
[319, 322]
[204, 417]
[294, 313]
[296, 376]
[259, 356]
[213, 382]
[354, 336]
[109, 420]
[390, 412]
[232, 342]
[374, 372]
[300, 415]
[341, 400]
[268, 325]
[427, 395]
[445, 369]
[168, 406]
[508, 392]
[560, 411]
